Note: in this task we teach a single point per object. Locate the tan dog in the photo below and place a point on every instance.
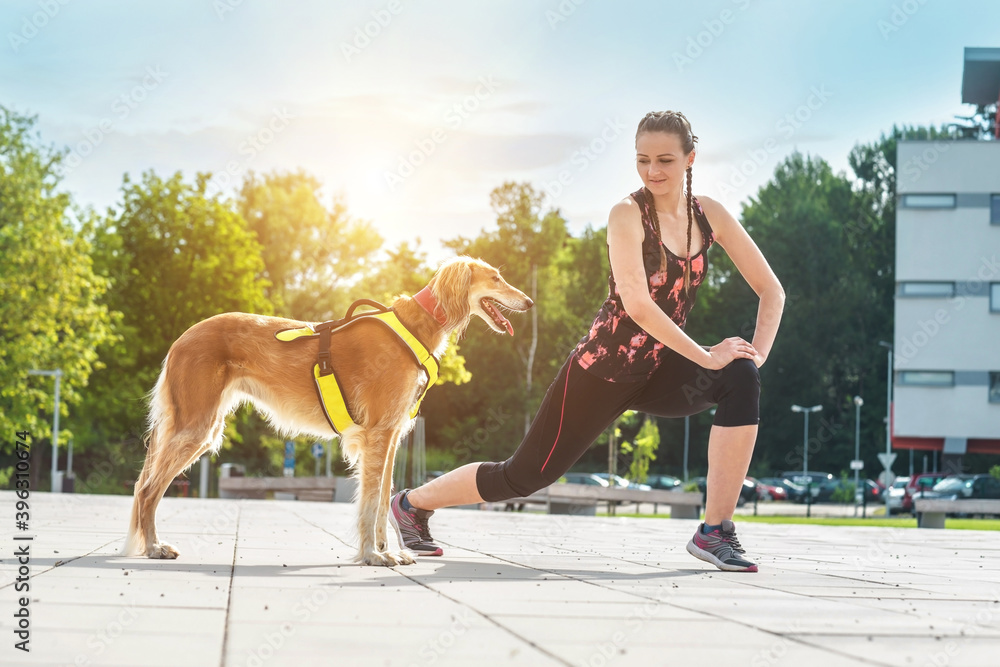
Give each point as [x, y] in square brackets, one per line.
[233, 358]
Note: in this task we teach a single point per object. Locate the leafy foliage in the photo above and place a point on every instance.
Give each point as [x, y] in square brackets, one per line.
[51, 316]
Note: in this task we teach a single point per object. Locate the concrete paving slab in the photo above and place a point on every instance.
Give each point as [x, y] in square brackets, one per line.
[273, 583]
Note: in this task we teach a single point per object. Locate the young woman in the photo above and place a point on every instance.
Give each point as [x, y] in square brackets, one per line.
[636, 355]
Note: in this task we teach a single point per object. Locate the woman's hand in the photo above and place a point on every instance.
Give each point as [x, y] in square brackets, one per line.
[730, 349]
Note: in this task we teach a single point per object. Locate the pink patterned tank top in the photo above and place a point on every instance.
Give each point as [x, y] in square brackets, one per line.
[618, 349]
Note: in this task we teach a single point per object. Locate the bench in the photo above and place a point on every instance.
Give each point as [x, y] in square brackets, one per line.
[583, 499]
[302, 488]
[931, 511]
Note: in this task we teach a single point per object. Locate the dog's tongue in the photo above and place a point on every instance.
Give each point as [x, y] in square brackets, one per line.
[506, 323]
[499, 318]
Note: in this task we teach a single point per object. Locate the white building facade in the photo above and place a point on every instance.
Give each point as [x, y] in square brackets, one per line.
[946, 379]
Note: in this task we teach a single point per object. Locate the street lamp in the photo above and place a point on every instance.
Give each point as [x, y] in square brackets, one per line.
[57, 373]
[805, 434]
[888, 424]
[858, 402]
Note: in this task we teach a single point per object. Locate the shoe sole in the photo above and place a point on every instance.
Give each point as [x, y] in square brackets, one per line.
[709, 557]
[399, 538]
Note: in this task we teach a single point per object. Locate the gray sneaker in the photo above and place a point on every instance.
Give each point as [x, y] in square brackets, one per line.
[411, 527]
[721, 548]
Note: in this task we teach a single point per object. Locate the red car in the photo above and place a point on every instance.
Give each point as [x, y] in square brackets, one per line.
[918, 484]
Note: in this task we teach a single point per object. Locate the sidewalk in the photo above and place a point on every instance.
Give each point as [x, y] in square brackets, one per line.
[272, 583]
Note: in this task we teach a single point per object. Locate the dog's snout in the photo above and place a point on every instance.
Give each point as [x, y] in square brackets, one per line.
[530, 303]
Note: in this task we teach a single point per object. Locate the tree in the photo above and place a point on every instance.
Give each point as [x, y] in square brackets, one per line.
[312, 255]
[51, 315]
[174, 256]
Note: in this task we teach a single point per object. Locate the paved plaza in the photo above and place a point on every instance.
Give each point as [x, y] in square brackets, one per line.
[272, 583]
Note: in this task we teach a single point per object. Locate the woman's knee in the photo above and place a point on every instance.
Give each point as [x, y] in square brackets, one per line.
[739, 399]
[742, 374]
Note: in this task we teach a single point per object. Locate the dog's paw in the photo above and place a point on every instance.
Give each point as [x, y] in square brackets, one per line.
[162, 550]
[375, 558]
[405, 557]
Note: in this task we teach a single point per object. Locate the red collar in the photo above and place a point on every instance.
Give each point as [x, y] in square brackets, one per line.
[426, 299]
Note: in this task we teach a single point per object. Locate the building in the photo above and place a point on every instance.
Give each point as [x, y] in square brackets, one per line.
[946, 351]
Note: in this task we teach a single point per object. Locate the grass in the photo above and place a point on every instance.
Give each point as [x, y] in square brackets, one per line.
[881, 522]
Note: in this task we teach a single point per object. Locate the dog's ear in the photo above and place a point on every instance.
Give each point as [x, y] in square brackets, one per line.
[450, 287]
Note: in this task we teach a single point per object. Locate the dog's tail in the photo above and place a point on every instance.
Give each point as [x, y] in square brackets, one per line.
[159, 423]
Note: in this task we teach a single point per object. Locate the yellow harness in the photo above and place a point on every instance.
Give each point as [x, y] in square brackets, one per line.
[331, 396]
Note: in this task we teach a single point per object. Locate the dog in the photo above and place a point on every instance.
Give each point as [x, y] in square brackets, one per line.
[233, 358]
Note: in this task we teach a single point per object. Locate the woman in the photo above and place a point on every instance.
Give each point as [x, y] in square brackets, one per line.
[637, 356]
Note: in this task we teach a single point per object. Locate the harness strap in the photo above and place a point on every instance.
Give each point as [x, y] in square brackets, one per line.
[330, 394]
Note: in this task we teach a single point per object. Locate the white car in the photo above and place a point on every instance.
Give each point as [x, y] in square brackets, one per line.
[896, 493]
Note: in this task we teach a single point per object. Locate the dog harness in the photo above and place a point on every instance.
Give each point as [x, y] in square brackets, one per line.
[331, 396]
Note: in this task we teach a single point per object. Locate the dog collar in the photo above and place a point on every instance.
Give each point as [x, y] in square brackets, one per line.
[426, 299]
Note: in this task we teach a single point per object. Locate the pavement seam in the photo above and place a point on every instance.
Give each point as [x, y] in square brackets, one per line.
[64, 562]
[232, 578]
[451, 599]
[789, 638]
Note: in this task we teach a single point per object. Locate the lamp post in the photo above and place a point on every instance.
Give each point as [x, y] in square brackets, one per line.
[805, 434]
[888, 422]
[858, 402]
[57, 373]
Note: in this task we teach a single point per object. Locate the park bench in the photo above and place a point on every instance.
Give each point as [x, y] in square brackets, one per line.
[583, 499]
[931, 512]
[302, 488]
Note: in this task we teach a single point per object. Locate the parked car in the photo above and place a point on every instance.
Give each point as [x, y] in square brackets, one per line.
[770, 490]
[811, 480]
[958, 487]
[621, 482]
[794, 492]
[873, 491]
[747, 493]
[896, 493]
[667, 482]
[590, 479]
[919, 484]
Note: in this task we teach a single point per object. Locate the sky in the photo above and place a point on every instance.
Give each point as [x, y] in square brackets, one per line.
[411, 112]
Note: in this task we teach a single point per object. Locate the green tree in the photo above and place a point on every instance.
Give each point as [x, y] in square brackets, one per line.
[487, 417]
[642, 449]
[313, 256]
[174, 256]
[51, 315]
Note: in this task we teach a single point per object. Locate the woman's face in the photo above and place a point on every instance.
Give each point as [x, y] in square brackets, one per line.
[661, 162]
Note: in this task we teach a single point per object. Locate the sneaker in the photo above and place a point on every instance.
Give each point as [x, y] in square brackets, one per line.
[411, 527]
[721, 548]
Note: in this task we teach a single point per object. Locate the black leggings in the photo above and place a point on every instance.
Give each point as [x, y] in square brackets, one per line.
[579, 406]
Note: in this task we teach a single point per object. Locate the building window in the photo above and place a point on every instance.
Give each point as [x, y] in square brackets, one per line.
[927, 378]
[995, 209]
[928, 201]
[995, 297]
[941, 289]
[994, 387]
